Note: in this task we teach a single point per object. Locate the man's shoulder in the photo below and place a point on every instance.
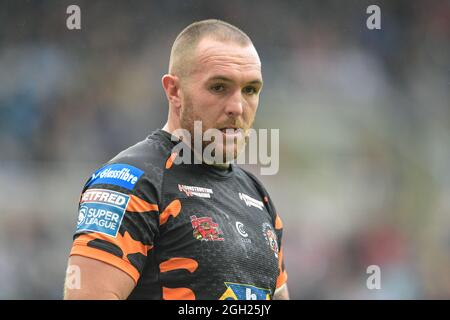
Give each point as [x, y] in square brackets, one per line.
[146, 155]
[246, 174]
[261, 189]
[146, 158]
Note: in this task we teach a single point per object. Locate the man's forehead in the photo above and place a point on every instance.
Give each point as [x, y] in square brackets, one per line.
[219, 59]
[211, 51]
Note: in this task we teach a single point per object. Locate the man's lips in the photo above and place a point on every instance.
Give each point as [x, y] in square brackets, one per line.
[231, 132]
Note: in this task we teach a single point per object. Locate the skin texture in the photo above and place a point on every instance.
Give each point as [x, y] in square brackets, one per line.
[99, 281]
[222, 90]
[282, 293]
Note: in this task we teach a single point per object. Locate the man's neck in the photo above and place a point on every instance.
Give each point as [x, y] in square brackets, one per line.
[167, 128]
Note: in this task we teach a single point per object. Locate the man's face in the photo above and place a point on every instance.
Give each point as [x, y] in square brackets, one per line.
[222, 92]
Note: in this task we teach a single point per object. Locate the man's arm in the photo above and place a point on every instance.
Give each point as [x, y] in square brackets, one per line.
[281, 293]
[99, 280]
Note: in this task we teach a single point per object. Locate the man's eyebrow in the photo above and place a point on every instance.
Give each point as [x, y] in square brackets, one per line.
[225, 79]
[221, 78]
[256, 82]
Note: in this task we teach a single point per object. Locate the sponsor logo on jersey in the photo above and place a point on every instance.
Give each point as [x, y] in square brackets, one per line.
[271, 238]
[205, 229]
[195, 191]
[237, 291]
[122, 175]
[101, 211]
[242, 232]
[240, 229]
[251, 202]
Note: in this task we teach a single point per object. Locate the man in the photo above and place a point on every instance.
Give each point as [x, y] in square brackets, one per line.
[150, 227]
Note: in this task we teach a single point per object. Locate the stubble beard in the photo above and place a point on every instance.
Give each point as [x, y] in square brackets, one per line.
[187, 120]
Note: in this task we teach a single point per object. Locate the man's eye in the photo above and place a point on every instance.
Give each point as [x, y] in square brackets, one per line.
[250, 90]
[218, 88]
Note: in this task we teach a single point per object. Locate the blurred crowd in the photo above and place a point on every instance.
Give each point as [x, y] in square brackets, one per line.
[364, 119]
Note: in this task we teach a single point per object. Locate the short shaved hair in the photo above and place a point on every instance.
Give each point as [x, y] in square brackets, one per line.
[183, 48]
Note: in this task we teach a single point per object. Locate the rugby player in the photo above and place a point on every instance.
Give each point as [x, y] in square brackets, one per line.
[150, 227]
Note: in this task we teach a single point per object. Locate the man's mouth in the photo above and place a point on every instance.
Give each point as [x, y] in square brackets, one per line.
[232, 132]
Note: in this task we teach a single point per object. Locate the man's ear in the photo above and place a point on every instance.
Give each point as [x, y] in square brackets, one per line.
[171, 85]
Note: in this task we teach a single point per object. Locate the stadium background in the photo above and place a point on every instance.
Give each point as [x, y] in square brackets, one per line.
[364, 116]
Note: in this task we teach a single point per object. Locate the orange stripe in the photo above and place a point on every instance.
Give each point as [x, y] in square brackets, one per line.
[173, 209]
[138, 205]
[278, 223]
[126, 243]
[282, 279]
[109, 258]
[280, 258]
[178, 294]
[170, 160]
[178, 263]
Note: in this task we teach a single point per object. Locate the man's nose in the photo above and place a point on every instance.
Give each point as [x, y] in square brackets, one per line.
[234, 107]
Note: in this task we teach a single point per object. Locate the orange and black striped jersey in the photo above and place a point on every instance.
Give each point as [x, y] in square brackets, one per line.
[181, 231]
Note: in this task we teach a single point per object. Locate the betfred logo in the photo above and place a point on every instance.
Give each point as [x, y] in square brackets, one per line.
[101, 211]
[236, 291]
[205, 229]
[104, 196]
